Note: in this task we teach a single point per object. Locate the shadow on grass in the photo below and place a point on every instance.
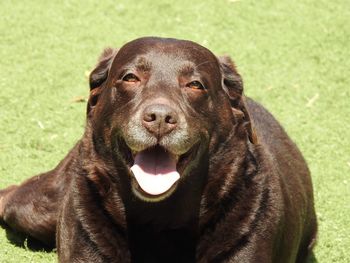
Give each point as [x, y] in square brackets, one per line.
[24, 241]
[312, 259]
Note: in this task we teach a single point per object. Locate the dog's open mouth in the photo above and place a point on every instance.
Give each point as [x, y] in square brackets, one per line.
[155, 170]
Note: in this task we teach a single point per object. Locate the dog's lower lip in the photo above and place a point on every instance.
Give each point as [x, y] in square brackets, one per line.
[140, 192]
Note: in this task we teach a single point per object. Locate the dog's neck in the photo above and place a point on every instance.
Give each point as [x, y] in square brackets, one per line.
[234, 154]
[159, 231]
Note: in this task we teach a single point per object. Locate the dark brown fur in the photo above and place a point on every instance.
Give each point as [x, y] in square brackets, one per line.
[245, 192]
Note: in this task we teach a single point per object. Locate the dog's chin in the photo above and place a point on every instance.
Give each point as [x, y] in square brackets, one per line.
[156, 171]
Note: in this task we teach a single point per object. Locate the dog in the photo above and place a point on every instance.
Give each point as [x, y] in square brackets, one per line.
[175, 165]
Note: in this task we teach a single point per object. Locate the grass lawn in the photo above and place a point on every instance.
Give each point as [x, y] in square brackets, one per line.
[294, 57]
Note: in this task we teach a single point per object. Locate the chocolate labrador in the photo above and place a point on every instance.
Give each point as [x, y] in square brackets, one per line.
[175, 165]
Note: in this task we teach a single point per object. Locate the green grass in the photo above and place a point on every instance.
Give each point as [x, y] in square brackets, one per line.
[294, 57]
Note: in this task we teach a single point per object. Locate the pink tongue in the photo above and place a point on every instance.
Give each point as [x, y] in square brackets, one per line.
[155, 171]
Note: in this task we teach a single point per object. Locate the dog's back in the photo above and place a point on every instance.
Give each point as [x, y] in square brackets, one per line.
[293, 180]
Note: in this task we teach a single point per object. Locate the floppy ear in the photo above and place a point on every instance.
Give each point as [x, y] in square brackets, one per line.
[99, 74]
[233, 86]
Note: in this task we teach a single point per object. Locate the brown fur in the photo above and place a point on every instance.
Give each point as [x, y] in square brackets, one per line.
[245, 192]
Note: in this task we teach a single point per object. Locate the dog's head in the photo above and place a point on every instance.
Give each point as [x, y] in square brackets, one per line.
[161, 106]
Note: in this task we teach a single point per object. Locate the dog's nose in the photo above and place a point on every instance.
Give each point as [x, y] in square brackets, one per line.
[159, 119]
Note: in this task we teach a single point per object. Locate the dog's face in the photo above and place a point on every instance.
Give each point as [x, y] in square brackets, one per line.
[156, 104]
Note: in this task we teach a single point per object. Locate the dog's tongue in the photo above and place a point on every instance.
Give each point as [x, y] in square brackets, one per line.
[155, 170]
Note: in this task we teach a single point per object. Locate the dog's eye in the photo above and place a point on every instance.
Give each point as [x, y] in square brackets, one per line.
[195, 85]
[131, 78]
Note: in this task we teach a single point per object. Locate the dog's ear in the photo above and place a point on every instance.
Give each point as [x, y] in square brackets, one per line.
[233, 86]
[99, 74]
